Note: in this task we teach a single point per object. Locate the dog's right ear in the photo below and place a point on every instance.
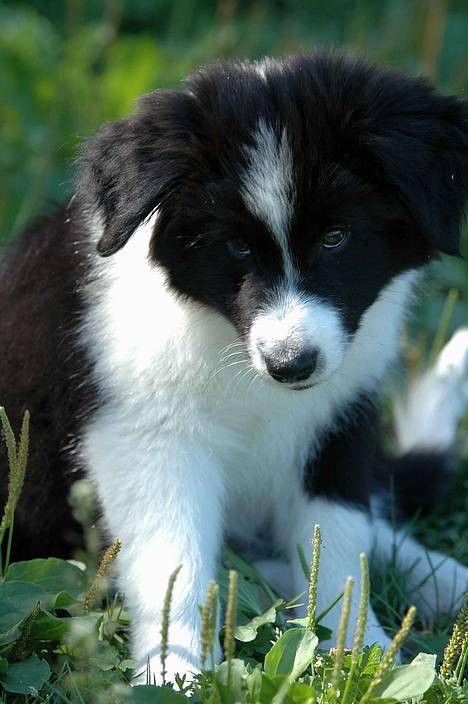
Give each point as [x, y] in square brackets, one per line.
[420, 142]
[133, 166]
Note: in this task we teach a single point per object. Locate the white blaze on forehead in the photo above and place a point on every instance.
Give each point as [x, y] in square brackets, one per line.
[268, 187]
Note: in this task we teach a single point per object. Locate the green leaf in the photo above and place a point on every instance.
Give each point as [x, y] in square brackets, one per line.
[254, 683]
[406, 682]
[371, 656]
[301, 693]
[11, 634]
[105, 657]
[292, 653]
[63, 600]
[238, 675]
[304, 622]
[248, 631]
[273, 686]
[25, 677]
[322, 632]
[127, 664]
[53, 575]
[426, 658]
[246, 569]
[17, 600]
[47, 627]
[148, 694]
[247, 595]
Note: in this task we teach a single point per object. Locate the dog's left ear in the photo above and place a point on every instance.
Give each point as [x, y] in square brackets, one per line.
[133, 166]
[422, 147]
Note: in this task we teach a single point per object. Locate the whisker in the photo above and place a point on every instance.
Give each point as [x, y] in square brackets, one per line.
[233, 352]
[227, 366]
[237, 378]
[256, 377]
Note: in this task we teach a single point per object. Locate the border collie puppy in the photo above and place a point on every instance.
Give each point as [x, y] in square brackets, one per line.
[206, 328]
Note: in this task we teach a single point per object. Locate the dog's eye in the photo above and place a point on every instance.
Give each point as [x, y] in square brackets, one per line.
[334, 238]
[238, 248]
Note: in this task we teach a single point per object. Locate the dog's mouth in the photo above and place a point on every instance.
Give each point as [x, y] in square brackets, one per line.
[302, 387]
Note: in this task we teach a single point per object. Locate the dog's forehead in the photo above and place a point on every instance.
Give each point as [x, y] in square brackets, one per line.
[267, 183]
[266, 126]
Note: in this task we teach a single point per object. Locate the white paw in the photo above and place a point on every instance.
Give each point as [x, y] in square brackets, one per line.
[452, 362]
[428, 418]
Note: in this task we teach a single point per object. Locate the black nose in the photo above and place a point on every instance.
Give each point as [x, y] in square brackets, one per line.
[292, 369]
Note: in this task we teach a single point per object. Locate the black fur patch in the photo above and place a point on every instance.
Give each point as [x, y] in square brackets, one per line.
[414, 482]
[344, 468]
[42, 370]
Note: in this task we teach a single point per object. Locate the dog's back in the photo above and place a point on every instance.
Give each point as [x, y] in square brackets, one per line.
[40, 370]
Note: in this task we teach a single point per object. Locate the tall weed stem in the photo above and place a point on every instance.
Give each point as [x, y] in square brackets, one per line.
[360, 626]
[389, 657]
[17, 463]
[341, 639]
[99, 583]
[454, 650]
[314, 569]
[230, 624]
[166, 612]
[208, 623]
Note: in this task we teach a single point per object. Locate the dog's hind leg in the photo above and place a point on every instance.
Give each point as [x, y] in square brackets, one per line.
[427, 419]
[436, 583]
[346, 532]
[426, 425]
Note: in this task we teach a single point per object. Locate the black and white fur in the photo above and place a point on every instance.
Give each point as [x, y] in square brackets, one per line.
[206, 328]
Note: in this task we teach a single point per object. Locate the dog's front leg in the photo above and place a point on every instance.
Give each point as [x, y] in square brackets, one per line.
[335, 494]
[164, 502]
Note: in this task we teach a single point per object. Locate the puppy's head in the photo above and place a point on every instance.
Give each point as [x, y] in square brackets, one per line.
[289, 193]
